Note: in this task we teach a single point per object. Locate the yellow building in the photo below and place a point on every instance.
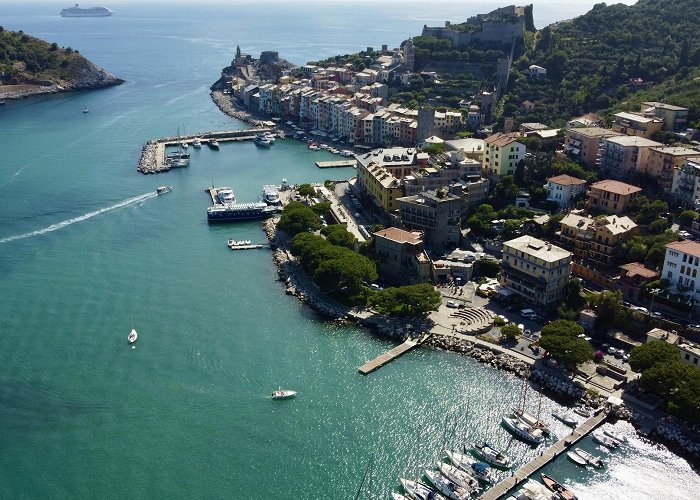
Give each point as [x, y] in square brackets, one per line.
[380, 185]
[664, 160]
[502, 153]
[597, 239]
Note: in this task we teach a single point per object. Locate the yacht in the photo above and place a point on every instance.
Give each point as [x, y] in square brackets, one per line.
[270, 137]
[283, 394]
[446, 486]
[479, 470]
[132, 336]
[346, 152]
[262, 140]
[562, 491]
[523, 431]
[492, 456]
[589, 458]
[531, 420]
[226, 196]
[271, 195]
[418, 491]
[601, 438]
[163, 189]
[459, 477]
[576, 458]
[532, 490]
[196, 143]
[213, 144]
[565, 418]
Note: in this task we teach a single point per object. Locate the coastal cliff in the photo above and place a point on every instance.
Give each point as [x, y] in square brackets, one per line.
[30, 66]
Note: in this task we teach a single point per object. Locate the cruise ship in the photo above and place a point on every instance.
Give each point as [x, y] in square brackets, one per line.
[240, 211]
[89, 12]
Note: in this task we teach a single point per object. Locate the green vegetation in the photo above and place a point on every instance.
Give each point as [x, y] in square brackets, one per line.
[510, 332]
[609, 309]
[434, 149]
[649, 249]
[480, 220]
[488, 268]
[411, 300]
[336, 234]
[335, 269]
[560, 339]
[25, 59]
[306, 190]
[298, 218]
[666, 375]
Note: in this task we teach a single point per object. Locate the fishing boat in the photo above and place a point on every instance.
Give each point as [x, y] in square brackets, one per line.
[163, 189]
[565, 418]
[523, 431]
[562, 491]
[419, 491]
[132, 336]
[480, 470]
[492, 456]
[576, 458]
[600, 438]
[447, 487]
[283, 394]
[590, 459]
[459, 477]
[530, 420]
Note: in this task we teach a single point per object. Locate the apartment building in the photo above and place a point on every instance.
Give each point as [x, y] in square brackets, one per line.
[689, 352]
[502, 153]
[599, 240]
[382, 188]
[663, 161]
[622, 156]
[611, 196]
[681, 265]
[563, 189]
[636, 124]
[675, 118]
[437, 214]
[585, 144]
[686, 182]
[402, 257]
[535, 269]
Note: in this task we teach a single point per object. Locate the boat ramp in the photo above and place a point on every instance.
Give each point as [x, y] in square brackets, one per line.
[152, 159]
[499, 490]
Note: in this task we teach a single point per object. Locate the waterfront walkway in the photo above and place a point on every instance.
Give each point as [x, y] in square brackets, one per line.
[560, 447]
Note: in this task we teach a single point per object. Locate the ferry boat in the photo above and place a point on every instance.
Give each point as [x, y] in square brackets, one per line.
[271, 195]
[262, 140]
[89, 12]
[226, 196]
[240, 211]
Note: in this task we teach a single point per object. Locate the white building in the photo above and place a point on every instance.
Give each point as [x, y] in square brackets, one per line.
[535, 71]
[686, 183]
[564, 189]
[681, 267]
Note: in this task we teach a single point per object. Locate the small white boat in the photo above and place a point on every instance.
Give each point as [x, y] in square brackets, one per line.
[459, 477]
[132, 336]
[447, 487]
[601, 438]
[270, 137]
[576, 458]
[480, 470]
[213, 144]
[86, 110]
[565, 418]
[196, 143]
[492, 456]
[584, 412]
[530, 420]
[533, 490]
[419, 491]
[262, 140]
[398, 496]
[562, 491]
[163, 189]
[523, 431]
[346, 152]
[184, 145]
[283, 394]
[617, 437]
[590, 459]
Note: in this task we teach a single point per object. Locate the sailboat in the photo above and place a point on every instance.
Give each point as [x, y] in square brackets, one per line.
[132, 336]
[179, 158]
[530, 420]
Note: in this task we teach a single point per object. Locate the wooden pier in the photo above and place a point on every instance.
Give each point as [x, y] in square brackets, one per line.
[252, 246]
[560, 447]
[352, 162]
[388, 356]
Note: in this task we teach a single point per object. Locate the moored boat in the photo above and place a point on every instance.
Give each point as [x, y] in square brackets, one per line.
[196, 143]
[590, 459]
[530, 420]
[240, 211]
[480, 470]
[447, 487]
[271, 195]
[523, 431]
[562, 491]
[398, 496]
[576, 458]
[617, 437]
[584, 412]
[213, 144]
[565, 418]
[600, 438]
[419, 491]
[492, 456]
[459, 477]
[283, 394]
[262, 141]
[225, 196]
[132, 336]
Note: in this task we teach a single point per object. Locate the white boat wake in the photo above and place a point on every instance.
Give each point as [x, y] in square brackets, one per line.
[89, 215]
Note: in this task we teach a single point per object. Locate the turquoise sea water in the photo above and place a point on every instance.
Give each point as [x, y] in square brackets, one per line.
[86, 251]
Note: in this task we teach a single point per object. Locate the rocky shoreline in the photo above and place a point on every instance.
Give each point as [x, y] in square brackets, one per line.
[225, 104]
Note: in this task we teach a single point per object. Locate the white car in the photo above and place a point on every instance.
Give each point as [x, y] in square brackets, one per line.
[451, 303]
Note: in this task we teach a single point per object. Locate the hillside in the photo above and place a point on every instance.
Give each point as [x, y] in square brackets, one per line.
[592, 60]
[29, 65]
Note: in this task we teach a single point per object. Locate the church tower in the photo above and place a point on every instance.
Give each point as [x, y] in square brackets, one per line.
[409, 55]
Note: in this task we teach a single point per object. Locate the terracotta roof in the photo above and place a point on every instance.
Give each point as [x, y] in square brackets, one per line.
[566, 180]
[399, 235]
[637, 268]
[616, 187]
[500, 140]
[686, 246]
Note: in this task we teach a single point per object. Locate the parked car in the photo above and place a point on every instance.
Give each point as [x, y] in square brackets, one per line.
[451, 303]
[612, 350]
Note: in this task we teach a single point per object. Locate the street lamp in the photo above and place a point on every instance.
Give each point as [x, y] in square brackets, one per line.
[654, 292]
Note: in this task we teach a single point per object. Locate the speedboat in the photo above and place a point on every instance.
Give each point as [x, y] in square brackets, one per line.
[262, 140]
[213, 144]
[419, 491]
[532, 490]
[270, 137]
[86, 110]
[459, 477]
[196, 143]
[283, 394]
[398, 496]
[163, 189]
[565, 418]
[447, 487]
[617, 437]
[590, 459]
[132, 336]
[492, 456]
[531, 420]
[226, 196]
[562, 491]
[576, 458]
[523, 431]
[601, 438]
[480, 470]
[584, 412]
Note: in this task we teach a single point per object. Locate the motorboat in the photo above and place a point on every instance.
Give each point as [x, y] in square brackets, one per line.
[532, 490]
[460, 477]
[184, 145]
[584, 412]
[530, 420]
[226, 196]
[492, 456]
[419, 491]
[271, 195]
[262, 140]
[617, 437]
[523, 431]
[163, 189]
[283, 394]
[398, 496]
[601, 438]
[132, 336]
[269, 136]
[590, 459]
[196, 143]
[213, 144]
[480, 470]
[576, 458]
[346, 152]
[238, 243]
[565, 418]
[447, 487]
[562, 491]
[86, 110]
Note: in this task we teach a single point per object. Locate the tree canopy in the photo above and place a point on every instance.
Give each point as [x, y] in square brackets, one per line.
[298, 218]
[560, 339]
[411, 300]
[338, 235]
[647, 355]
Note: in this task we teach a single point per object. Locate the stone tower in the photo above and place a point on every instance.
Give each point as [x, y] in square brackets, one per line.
[409, 55]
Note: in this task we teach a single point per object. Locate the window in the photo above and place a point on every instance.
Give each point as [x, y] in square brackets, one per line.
[687, 356]
[685, 258]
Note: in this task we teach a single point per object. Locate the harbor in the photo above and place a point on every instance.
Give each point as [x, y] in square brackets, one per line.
[153, 158]
[337, 164]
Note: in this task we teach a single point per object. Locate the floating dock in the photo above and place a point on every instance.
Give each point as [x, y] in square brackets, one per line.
[337, 163]
[391, 355]
[499, 490]
[253, 246]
